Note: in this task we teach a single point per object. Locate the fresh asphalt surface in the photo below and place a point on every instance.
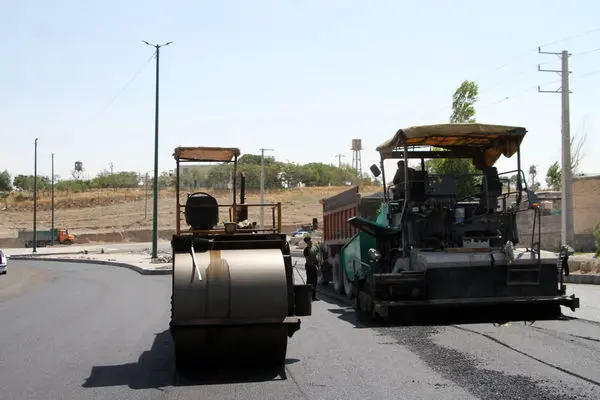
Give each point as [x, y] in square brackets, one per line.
[75, 331]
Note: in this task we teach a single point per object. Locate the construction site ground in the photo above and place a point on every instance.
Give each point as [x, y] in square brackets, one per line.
[125, 215]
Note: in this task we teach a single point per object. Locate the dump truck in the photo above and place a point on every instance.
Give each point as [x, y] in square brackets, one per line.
[337, 231]
[46, 237]
[234, 298]
[446, 241]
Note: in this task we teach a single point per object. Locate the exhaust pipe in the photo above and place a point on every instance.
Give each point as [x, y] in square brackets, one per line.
[242, 213]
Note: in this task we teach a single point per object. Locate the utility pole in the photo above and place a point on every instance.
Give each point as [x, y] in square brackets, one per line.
[111, 166]
[567, 227]
[155, 182]
[262, 186]
[339, 157]
[35, 197]
[52, 207]
[146, 197]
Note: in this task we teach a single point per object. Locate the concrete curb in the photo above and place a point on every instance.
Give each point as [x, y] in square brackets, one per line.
[62, 253]
[132, 267]
[583, 279]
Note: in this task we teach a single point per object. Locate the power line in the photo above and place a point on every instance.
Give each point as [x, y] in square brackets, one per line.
[586, 52]
[513, 60]
[587, 74]
[115, 97]
[525, 53]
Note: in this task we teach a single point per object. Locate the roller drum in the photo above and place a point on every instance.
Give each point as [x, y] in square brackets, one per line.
[229, 306]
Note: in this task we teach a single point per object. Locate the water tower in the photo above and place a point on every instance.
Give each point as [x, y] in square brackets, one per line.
[356, 160]
[78, 170]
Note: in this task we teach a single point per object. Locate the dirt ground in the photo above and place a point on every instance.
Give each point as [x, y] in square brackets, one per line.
[111, 210]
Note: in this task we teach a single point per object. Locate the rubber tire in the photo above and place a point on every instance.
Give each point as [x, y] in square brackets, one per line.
[190, 353]
[338, 279]
[349, 289]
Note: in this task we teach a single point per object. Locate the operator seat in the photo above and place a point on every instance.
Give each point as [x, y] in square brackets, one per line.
[489, 201]
[201, 211]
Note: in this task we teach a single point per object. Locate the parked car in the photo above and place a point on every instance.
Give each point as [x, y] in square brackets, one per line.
[3, 262]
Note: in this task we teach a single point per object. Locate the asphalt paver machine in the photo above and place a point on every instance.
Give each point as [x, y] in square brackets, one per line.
[234, 301]
[442, 241]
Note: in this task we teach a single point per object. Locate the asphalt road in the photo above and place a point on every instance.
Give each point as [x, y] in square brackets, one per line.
[85, 331]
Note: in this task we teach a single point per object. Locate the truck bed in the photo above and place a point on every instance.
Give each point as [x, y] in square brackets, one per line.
[339, 208]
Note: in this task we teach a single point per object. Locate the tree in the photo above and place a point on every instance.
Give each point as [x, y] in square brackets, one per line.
[463, 101]
[463, 111]
[554, 173]
[25, 182]
[5, 181]
[577, 143]
[532, 174]
[554, 176]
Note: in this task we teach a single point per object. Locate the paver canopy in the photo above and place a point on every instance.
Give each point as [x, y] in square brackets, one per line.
[484, 143]
[219, 154]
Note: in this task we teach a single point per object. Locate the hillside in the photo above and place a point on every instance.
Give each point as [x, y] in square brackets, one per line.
[119, 210]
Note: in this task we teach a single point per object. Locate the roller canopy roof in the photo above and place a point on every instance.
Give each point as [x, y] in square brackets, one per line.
[483, 143]
[222, 154]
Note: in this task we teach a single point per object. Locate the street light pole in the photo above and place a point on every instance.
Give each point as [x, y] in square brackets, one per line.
[35, 197]
[155, 183]
[52, 195]
[262, 187]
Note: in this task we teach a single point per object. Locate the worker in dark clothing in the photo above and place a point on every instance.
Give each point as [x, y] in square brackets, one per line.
[399, 179]
[312, 255]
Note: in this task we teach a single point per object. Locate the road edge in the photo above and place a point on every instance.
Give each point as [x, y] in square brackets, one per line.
[141, 271]
[579, 279]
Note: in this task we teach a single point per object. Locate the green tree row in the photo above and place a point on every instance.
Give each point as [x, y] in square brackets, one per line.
[278, 175]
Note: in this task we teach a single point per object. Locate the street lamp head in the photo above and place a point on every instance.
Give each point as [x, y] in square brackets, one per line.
[157, 45]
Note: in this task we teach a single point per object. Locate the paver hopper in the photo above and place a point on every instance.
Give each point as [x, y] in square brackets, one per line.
[234, 300]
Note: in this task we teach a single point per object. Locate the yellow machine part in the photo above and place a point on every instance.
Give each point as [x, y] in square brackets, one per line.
[229, 306]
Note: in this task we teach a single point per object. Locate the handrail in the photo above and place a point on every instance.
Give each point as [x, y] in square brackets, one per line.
[232, 211]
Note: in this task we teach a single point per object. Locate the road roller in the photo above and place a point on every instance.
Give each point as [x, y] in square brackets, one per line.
[234, 301]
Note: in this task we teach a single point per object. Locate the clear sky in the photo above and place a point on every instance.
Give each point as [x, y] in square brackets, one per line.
[301, 77]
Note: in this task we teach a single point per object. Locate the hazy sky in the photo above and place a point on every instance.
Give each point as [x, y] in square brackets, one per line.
[302, 77]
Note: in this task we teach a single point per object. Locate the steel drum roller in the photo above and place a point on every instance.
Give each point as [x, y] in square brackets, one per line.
[236, 289]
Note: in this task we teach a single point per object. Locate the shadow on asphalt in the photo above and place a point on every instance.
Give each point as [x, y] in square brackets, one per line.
[437, 317]
[156, 369]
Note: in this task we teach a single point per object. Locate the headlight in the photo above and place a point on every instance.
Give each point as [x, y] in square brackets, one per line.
[374, 254]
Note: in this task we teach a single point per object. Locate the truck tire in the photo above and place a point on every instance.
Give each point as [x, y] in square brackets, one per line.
[338, 278]
[349, 289]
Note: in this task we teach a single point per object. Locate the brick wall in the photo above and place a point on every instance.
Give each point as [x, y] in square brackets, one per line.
[586, 203]
[586, 215]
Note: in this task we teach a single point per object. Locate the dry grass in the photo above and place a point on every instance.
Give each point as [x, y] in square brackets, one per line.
[111, 210]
